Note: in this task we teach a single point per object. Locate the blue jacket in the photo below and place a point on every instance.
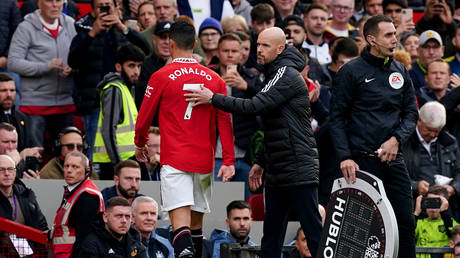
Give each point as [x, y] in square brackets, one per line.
[158, 246]
[10, 17]
[218, 237]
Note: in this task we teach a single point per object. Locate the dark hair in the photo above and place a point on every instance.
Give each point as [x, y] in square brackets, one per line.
[242, 35]
[346, 47]
[5, 77]
[455, 231]
[7, 127]
[371, 27]
[438, 190]
[298, 232]
[262, 13]
[114, 3]
[144, 3]
[116, 201]
[229, 36]
[402, 3]
[237, 205]
[314, 6]
[154, 130]
[183, 34]
[125, 164]
[129, 52]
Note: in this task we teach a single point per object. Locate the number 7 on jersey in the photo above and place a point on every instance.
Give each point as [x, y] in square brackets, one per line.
[190, 86]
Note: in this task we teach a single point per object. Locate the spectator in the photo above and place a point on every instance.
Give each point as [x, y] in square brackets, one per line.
[437, 17]
[373, 7]
[145, 215]
[17, 202]
[301, 248]
[112, 235]
[154, 61]
[241, 83]
[115, 135]
[263, 17]
[8, 112]
[200, 11]
[433, 231]
[70, 8]
[80, 204]
[127, 180]
[437, 79]
[342, 10]
[38, 53]
[454, 236]
[8, 146]
[234, 23]
[70, 139]
[92, 53]
[457, 249]
[210, 33]
[430, 49]
[343, 51]
[410, 44]
[283, 9]
[454, 61]
[243, 8]
[165, 11]
[245, 47]
[431, 152]
[393, 9]
[10, 18]
[294, 28]
[315, 18]
[150, 170]
[146, 15]
[239, 226]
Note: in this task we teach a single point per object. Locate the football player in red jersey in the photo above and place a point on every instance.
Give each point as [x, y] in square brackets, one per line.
[188, 139]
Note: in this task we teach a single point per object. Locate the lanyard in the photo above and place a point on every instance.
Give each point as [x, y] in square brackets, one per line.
[15, 214]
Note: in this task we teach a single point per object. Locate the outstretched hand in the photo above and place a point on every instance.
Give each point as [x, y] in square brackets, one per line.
[226, 172]
[199, 97]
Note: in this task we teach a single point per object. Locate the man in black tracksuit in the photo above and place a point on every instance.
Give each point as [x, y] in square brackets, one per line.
[289, 157]
[373, 110]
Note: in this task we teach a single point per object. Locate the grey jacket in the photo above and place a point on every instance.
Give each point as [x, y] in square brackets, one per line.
[244, 9]
[31, 49]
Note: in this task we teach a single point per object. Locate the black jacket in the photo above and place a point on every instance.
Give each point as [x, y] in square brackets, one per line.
[100, 243]
[95, 57]
[244, 126]
[10, 17]
[33, 216]
[448, 159]
[20, 121]
[151, 64]
[290, 156]
[366, 110]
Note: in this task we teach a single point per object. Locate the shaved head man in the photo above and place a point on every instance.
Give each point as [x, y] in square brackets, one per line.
[282, 104]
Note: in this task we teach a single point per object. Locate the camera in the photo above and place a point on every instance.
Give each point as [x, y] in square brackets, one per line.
[32, 163]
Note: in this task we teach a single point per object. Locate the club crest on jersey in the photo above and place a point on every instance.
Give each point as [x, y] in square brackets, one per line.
[396, 80]
[147, 91]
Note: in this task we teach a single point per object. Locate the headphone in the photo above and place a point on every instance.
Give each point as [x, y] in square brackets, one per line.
[67, 130]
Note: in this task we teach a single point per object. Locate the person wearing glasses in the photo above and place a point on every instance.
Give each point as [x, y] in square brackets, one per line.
[209, 33]
[17, 202]
[339, 26]
[70, 139]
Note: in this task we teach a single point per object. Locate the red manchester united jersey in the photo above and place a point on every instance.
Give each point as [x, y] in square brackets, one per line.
[188, 135]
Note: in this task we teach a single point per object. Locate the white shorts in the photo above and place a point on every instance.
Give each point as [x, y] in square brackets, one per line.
[179, 189]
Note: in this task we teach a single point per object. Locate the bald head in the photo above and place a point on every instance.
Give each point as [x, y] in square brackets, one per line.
[270, 44]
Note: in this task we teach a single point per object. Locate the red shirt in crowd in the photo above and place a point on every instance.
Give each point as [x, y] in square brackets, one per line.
[188, 138]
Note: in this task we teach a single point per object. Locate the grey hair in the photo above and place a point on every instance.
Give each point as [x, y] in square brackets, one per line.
[433, 114]
[173, 2]
[84, 159]
[142, 199]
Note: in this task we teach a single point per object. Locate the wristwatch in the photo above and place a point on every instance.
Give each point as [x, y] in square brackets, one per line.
[125, 31]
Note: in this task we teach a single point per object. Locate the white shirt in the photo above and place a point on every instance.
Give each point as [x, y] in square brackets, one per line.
[202, 9]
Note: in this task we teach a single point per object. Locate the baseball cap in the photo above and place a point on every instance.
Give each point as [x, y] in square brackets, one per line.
[162, 27]
[210, 23]
[293, 20]
[427, 35]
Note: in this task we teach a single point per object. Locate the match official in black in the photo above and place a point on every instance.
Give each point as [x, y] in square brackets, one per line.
[373, 110]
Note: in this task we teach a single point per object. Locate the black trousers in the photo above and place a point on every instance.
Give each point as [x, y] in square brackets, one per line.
[279, 203]
[397, 185]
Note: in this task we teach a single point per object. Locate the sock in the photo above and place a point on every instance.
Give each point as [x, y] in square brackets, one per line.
[197, 238]
[182, 243]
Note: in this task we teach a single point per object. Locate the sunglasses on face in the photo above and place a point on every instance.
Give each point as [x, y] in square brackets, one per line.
[71, 146]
